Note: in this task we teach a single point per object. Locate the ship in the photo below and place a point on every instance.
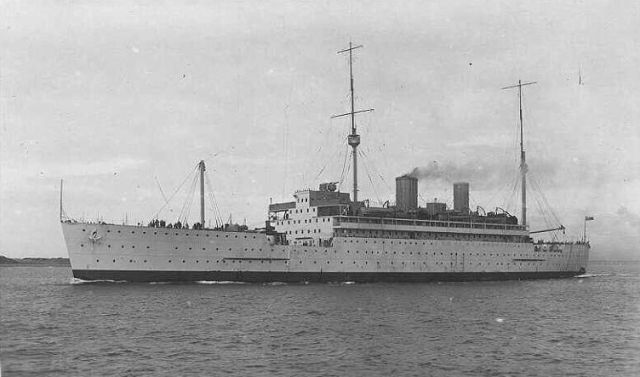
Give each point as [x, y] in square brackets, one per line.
[325, 235]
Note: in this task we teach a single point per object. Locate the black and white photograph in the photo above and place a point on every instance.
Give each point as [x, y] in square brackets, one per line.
[319, 188]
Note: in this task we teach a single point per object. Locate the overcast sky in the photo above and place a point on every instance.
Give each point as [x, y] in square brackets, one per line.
[120, 98]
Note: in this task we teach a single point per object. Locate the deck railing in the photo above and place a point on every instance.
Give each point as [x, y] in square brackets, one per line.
[427, 223]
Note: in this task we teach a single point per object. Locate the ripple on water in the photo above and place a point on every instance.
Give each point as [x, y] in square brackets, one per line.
[584, 326]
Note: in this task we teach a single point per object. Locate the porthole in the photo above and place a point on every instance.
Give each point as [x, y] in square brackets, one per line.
[109, 246]
[81, 245]
[183, 261]
[97, 260]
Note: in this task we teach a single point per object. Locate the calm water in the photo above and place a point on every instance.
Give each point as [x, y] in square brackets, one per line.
[571, 327]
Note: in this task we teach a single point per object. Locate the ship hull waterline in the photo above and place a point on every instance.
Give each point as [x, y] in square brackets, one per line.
[313, 277]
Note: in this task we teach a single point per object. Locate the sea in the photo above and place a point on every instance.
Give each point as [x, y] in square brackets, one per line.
[52, 325]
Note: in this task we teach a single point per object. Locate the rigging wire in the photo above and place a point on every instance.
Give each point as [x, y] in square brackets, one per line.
[514, 194]
[162, 192]
[373, 186]
[175, 192]
[325, 141]
[186, 207]
[348, 168]
[344, 165]
[213, 203]
[376, 171]
[538, 189]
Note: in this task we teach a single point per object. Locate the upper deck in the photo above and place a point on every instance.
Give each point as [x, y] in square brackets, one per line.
[400, 224]
[316, 217]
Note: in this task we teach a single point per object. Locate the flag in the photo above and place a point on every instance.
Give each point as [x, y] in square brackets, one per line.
[588, 218]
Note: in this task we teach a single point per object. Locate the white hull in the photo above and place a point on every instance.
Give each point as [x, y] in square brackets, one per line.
[100, 251]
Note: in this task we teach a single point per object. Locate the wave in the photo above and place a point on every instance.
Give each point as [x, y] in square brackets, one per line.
[583, 276]
[76, 281]
[221, 282]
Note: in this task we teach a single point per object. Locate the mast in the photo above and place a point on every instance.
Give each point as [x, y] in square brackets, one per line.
[202, 168]
[353, 138]
[523, 161]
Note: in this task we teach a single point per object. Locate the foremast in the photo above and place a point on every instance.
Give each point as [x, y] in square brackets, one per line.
[353, 138]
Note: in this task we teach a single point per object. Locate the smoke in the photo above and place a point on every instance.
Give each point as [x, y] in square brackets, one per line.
[469, 172]
[480, 173]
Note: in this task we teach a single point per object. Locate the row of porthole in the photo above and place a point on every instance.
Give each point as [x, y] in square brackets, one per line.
[177, 234]
[348, 251]
[145, 261]
[239, 262]
[426, 253]
[176, 248]
[184, 261]
[315, 262]
[415, 243]
[298, 221]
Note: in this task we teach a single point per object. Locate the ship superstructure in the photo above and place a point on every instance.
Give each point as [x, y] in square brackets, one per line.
[328, 235]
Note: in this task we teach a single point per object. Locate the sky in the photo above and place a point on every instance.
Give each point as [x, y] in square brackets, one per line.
[122, 99]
